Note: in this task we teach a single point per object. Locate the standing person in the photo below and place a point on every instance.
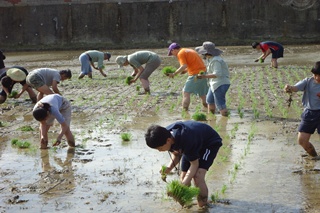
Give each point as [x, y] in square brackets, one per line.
[194, 144]
[53, 106]
[43, 78]
[2, 66]
[268, 47]
[310, 118]
[191, 62]
[218, 75]
[9, 78]
[151, 60]
[88, 58]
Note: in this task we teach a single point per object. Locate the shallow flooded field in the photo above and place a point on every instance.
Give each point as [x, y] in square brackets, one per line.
[260, 167]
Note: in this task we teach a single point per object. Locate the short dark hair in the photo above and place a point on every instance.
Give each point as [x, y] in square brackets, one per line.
[157, 136]
[67, 73]
[6, 82]
[41, 112]
[255, 44]
[316, 68]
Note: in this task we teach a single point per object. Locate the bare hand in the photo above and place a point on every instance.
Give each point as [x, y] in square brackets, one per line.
[199, 76]
[171, 75]
[288, 88]
[132, 81]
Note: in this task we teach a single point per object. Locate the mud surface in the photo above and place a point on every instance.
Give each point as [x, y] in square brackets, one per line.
[260, 168]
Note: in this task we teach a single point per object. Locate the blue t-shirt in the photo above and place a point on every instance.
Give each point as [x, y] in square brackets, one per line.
[311, 94]
[191, 137]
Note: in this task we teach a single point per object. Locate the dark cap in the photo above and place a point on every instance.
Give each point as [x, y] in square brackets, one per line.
[172, 47]
[108, 54]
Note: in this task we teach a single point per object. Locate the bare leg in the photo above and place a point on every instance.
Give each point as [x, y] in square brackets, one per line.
[274, 63]
[199, 181]
[185, 100]
[146, 85]
[70, 138]
[211, 108]
[32, 94]
[303, 140]
[224, 112]
[203, 99]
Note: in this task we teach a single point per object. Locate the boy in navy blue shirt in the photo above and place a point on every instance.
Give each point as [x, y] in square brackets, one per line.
[194, 143]
[310, 118]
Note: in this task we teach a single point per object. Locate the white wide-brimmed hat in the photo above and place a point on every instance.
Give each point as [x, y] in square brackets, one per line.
[16, 74]
[121, 60]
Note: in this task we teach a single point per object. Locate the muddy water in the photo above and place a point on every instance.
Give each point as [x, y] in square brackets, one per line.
[105, 174]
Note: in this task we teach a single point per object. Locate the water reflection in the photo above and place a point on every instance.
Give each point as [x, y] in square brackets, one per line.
[58, 175]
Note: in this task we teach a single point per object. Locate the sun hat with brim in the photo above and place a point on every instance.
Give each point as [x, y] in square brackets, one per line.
[208, 48]
[173, 46]
[121, 60]
[16, 74]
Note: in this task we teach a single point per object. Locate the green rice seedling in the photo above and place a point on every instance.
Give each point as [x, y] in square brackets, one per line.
[202, 72]
[224, 188]
[215, 197]
[199, 116]
[1, 124]
[26, 128]
[128, 79]
[126, 136]
[182, 193]
[13, 94]
[14, 141]
[20, 144]
[163, 173]
[138, 88]
[168, 69]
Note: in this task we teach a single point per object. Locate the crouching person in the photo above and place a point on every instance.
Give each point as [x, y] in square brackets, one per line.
[53, 106]
[192, 144]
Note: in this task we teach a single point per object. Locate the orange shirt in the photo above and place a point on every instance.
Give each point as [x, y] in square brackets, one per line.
[193, 61]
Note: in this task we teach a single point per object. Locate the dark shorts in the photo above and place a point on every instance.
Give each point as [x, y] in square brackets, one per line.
[310, 121]
[206, 159]
[278, 53]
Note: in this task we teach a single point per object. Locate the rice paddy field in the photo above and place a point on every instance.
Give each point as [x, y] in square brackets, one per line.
[260, 167]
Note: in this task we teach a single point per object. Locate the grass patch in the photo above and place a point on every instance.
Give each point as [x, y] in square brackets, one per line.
[26, 128]
[126, 136]
[20, 144]
[199, 116]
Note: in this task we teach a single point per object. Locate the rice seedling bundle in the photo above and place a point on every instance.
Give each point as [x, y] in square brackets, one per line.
[182, 193]
[168, 69]
[128, 79]
[13, 94]
[20, 144]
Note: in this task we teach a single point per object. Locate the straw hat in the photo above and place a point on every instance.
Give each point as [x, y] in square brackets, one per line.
[16, 74]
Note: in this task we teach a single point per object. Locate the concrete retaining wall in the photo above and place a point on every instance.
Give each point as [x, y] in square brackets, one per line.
[76, 24]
